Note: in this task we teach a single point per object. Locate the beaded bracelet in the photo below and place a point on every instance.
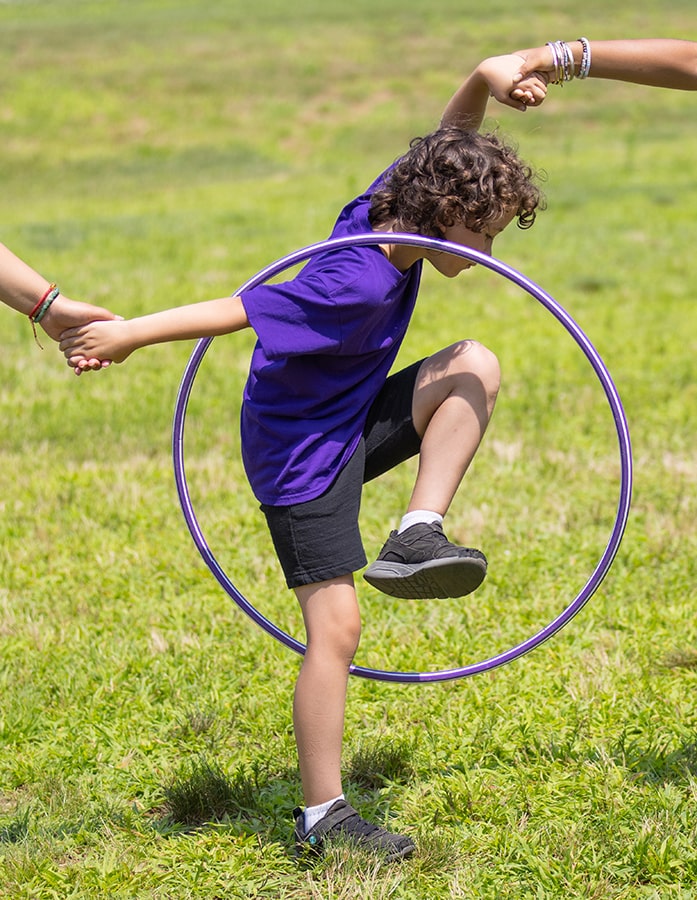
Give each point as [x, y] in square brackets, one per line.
[569, 70]
[44, 296]
[585, 67]
[41, 308]
[46, 305]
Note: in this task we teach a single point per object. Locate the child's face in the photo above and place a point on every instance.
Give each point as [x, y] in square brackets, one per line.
[448, 264]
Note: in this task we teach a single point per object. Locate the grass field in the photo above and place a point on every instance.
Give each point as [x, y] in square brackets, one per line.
[161, 152]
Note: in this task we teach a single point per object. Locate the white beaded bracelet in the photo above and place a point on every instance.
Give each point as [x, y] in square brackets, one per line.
[585, 67]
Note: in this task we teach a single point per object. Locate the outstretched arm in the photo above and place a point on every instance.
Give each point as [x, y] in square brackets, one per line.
[493, 77]
[21, 287]
[661, 62]
[117, 340]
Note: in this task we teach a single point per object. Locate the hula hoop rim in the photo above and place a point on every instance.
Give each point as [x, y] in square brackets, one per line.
[572, 328]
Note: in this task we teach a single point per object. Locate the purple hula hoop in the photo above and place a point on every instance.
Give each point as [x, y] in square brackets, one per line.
[572, 328]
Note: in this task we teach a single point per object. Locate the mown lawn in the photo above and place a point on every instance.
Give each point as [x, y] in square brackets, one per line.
[161, 152]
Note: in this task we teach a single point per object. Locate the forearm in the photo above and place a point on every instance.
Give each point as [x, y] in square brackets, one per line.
[659, 62]
[116, 340]
[493, 77]
[467, 106]
[20, 286]
[197, 320]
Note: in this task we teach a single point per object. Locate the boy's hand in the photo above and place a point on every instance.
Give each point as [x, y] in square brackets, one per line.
[502, 75]
[66, 313]
[101, 340]
[538, 64]
[530, 90]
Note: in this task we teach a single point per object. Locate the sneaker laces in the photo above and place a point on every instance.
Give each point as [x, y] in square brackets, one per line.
[424, 543]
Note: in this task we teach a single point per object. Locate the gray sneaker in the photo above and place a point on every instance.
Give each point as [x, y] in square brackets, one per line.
[422, 564]
[343, 823]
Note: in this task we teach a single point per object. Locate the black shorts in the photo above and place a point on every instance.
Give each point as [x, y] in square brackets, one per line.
[320, 539]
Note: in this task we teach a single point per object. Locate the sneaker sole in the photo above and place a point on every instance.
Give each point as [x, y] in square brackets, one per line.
[437, 579]
[304, 850]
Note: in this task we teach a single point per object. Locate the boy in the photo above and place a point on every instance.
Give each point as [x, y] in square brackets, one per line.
[320, 415]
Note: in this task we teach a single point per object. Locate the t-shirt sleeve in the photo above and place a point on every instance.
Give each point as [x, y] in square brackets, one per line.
[337, 306]
[290, 322]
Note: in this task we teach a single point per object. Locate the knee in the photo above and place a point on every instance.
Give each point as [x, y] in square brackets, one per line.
[472, 358]
[346, 639]
[336, 635]
[337, 647]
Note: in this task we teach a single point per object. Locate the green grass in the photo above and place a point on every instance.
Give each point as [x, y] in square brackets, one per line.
[161, 152]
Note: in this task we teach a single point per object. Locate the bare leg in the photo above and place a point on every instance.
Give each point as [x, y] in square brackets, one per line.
[332, 623]
[454, 398]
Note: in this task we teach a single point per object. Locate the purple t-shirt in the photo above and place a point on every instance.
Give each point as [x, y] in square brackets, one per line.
[326, 342]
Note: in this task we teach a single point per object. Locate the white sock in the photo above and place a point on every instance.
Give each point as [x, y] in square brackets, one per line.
[314, 813]
[419, 515]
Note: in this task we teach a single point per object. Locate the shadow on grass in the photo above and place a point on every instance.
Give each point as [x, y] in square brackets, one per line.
[380, 763]
[17, 829]
[680, 659]
[659, 765]
[203, 794]
[258, 799]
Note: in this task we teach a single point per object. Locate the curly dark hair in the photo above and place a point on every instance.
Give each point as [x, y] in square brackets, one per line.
[455, 176]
